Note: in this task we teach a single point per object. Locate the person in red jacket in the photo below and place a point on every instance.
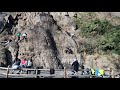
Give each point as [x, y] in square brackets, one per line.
[23, 63]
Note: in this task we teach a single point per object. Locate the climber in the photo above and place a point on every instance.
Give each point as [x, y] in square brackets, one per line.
[11, 20]
[24, 35]
[18, 35]
[69, 51]
[7, 42]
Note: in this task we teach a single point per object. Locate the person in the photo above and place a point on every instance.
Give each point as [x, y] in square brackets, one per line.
[69, 51]
[75, 66]
[24, 35]
[15, 65]
[23, 63]
[97, 74]
[18, 35]
[92, 72]
[8, 42]
[29, 65]
[101, 72]
[88, 71]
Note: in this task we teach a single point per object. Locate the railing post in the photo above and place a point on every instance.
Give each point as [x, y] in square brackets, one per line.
[36, 73]
[27, 72]
[7, 72]
[113, 73]
[110, 72]
[65, 72]
[90, 73]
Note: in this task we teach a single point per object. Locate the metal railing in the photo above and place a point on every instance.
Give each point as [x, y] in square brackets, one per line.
[7, 73]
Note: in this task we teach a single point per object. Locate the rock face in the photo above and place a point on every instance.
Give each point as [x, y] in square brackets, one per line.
[2, 56]
[48, 37]
[13, 48]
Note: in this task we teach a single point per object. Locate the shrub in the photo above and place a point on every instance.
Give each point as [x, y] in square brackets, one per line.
[93, 27]
[106, 36]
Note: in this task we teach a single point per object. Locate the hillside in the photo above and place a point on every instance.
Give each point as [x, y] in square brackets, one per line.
[93, 38]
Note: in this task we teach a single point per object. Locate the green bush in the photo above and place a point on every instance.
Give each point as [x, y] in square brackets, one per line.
[111, 41]
[92, 28]
[88, 48]
[106, 35]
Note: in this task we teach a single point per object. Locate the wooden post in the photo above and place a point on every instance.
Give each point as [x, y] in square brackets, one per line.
[65, 72]
[90, 74]
[113, 73]
[26, 73]
[7, 72]
[36, 73]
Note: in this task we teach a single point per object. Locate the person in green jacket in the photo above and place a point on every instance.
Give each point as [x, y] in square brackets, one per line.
[18, 35]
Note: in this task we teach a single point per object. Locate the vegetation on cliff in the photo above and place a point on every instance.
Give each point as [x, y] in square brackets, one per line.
[106, 36]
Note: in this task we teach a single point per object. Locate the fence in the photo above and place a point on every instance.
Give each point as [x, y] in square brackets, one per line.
[7, 74]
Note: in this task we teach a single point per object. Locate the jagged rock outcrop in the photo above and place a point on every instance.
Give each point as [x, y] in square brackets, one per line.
[46, 38]
[13, 48]
[5, 57]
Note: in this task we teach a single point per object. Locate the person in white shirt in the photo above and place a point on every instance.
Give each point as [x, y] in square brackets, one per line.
[29, 65]
[24, 35]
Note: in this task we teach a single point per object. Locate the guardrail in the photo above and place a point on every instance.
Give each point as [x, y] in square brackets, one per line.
[65, 75]
[7, 70]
